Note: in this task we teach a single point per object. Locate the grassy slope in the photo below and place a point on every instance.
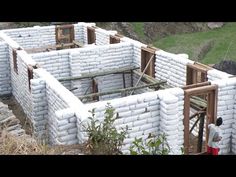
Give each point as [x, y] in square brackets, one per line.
[139, 29]
[189, 43]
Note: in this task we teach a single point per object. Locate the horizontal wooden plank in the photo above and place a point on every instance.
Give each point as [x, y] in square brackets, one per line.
[65, 26]
[149, 50]
[196, 85]
[200, 90]
[105, 72]
[121, 90]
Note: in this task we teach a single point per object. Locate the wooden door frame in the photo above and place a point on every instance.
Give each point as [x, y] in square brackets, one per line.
[89, 29]
[193, 69]
[61, 27]
[211, 112]
[114, 39]
[151, 51]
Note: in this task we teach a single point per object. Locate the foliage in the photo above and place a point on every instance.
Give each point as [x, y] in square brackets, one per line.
[104, 138]
[154, 145]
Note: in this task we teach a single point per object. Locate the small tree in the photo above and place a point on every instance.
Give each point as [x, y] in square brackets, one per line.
[154, 145]
[104, 138]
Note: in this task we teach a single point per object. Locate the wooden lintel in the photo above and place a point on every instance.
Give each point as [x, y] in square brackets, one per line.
[65, 26]
[151, 50]
[119, 35]
[196, 85]
[203, 65]
[199, 68]
[200, 90]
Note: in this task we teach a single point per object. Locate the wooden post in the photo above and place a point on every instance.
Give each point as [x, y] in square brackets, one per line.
[186, 122]
[194, 81]
[200, 132]
[132, 80]
[124, 86]
[189, 75]
[195, 123]
[95, 89]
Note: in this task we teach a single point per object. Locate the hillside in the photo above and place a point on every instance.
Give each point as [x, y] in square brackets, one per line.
[208, 47]
[148, 32]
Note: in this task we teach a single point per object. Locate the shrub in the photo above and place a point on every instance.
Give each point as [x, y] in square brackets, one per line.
[154, 145]
[104, 138]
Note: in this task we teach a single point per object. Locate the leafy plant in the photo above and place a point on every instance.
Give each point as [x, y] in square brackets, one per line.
[154, 145]
[104, 138]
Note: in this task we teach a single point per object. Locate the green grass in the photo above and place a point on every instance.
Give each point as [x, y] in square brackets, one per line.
[190, 43]
[139, 29]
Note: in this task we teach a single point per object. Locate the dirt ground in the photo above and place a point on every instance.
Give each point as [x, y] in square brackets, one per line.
[18, 112]
[193, 140]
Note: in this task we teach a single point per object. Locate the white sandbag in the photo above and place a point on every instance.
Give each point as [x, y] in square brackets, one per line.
[168, 112]
[169, 106]
[146, 126]
[140, 122]
[169, 122]
[67, 138]
[66, 127]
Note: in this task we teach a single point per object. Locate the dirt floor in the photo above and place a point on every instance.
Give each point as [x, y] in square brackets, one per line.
[193, 140]
[18, 112]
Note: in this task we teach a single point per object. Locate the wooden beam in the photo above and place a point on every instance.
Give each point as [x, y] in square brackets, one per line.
[78, 43]
[119, 35]
[197, 102]
[196, 85]
[199, 67]
[146, 77]
[131, 77]
[186, 122]
[65, 26]
[92, 75]
[201, 90]
[124, 85]
[197, 113]
[149, 49]
[200, 132]
[212, 99]
[195, 106]
[195, 123]
[194, 81]
[64, 45]
[122, 90]
[203, 66]
[189, 75]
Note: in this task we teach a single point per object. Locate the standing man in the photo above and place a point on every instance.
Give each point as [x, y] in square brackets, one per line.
[215, 136]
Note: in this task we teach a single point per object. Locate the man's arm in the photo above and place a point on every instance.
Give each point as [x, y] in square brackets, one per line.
[217, 137]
